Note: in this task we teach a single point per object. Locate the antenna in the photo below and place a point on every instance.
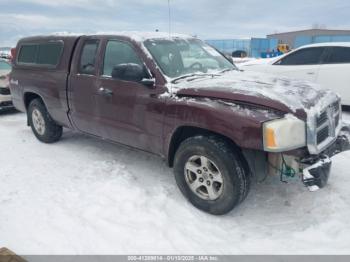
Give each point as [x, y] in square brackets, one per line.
[169, 18]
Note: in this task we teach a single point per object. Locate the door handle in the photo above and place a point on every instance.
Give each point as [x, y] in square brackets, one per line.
[310, 73]
[105, 92]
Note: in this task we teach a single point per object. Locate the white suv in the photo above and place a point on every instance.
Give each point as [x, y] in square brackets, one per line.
[327, 64]
[5, 96]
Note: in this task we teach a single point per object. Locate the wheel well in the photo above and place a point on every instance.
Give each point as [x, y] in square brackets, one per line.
[182, 133]
[29, 97]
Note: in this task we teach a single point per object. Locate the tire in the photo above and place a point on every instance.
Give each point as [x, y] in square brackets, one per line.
[225, 191]
[43, 126]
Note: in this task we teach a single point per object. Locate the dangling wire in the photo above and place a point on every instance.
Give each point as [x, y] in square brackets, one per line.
[285, 170]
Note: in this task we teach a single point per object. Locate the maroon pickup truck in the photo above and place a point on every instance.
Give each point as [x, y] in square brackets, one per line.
[181, 99]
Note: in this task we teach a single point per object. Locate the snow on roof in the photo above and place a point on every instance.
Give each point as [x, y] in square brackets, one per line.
[134, 35]
[142, 36]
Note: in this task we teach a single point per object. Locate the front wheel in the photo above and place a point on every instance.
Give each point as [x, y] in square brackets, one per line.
[211, 174]
[43, 126]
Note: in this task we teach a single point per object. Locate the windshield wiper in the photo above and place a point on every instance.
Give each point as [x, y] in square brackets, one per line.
[228, 69]
[175, 80]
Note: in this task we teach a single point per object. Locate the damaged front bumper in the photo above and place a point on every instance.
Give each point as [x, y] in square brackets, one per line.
[316, 169]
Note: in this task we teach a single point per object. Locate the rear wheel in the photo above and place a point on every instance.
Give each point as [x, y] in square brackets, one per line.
[211, 174]
[43, 126]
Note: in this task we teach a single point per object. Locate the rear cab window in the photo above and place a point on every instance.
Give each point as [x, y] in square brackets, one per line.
[87, 61]
[40, 54]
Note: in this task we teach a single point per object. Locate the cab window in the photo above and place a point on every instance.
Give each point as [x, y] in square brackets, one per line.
[87, 64]
[43, 54]
[118, 52]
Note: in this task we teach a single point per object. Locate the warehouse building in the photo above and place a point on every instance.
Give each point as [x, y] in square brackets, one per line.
[299, 38]
[266, 47]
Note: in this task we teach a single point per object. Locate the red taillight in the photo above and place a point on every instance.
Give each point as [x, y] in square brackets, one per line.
[13, 54]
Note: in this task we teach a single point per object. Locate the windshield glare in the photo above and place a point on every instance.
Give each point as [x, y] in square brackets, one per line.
[178, 57]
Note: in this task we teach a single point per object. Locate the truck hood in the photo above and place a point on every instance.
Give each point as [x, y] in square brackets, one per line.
[283, 94]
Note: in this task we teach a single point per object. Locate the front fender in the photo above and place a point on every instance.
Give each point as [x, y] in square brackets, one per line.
[241, 123]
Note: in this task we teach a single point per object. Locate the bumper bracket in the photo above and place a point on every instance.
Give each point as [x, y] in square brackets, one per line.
[316, 174]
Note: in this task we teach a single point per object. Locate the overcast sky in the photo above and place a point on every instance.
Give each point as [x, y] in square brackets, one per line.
[204, 18]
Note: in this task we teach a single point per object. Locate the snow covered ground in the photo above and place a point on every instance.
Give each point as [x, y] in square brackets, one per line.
[257, 61]
[238, 60]
[85, 196]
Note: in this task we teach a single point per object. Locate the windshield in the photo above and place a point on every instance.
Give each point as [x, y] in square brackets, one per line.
[179, 57]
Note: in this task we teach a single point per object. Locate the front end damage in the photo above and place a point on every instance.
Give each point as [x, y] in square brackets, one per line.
[326, 136]
[314, 170]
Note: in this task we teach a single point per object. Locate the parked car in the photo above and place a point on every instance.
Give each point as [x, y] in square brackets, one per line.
[327, 64]
[179, 98]
[5, 53]
[5, 96]
[239, 54]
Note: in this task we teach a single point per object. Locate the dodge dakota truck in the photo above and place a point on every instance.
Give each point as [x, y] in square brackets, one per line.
[179, 98]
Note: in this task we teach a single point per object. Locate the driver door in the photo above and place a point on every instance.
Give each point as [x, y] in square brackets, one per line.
[82, 87]
[129, 111]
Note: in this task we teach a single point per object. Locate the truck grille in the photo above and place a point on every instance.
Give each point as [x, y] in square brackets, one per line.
[322, 119]
[327, 125]
[4, 91]
[322, 135]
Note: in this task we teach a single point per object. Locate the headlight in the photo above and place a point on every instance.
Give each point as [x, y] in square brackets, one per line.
[284, 134]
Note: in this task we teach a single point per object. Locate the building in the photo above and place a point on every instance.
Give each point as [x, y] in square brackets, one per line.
[254, 47]
[265, 47]
[228, 46]
[299, 38]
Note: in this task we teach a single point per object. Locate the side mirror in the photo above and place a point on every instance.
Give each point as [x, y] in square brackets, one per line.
[134, 73]
[128, 72]
[149, 82]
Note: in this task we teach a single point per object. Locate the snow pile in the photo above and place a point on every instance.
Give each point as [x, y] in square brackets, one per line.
[239, 60]
[85, 196]
[259, 61]
[140, 36]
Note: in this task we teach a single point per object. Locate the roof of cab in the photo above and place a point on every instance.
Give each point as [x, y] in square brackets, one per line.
[133, 35]
[142, 36]
[47, 38]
